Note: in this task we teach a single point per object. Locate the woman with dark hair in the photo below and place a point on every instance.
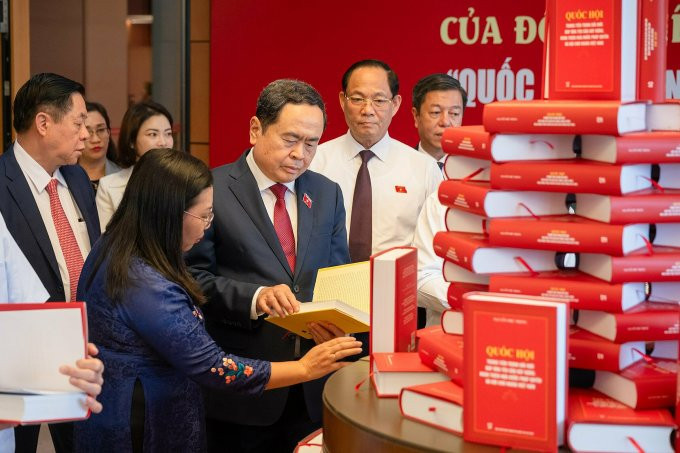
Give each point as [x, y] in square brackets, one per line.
[146, 125]
[143, 314]
[99, 156]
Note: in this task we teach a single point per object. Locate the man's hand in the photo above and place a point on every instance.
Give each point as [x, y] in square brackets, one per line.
[87, 376]
[323, 331]
[277, 301]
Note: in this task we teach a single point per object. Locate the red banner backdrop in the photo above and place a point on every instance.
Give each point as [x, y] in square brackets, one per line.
[493, 47]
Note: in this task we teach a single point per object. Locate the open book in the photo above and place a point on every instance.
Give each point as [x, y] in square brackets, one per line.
[341, 296]
[35, 340]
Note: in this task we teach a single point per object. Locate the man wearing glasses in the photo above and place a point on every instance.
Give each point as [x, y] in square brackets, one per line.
[384, 182]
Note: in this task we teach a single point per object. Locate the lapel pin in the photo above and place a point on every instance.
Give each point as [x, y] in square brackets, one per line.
[307, 201]
[400, 189]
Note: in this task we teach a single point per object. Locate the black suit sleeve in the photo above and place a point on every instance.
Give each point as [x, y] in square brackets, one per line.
[339, 247]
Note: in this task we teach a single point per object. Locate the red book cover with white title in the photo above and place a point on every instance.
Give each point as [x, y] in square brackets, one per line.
[646, 322]
[652, 56]
[663, 265]
[442, 352]
[567, 234]
[571, 176]
[598, 423]
[590, 352]
[515, 357]
[582, 291]
[648, 206]
[394, 300]
[564, 117]
[638, 148]
[642, 385]
[474, 141]
[439, 404]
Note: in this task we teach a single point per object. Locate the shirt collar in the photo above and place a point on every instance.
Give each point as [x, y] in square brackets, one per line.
[422, 150]
[33, 171]
[263, 182]
[380, 149]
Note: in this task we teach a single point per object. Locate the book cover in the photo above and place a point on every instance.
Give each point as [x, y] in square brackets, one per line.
[598, 423]
[515, 357]
[590, 352]
[648, 206]
[50, 335]
[474, 141]
[442, 352]
[638, 148]
[474, 253]
[454, 295]
[439, 405]
[344, 316]
[598, 34]
[571, 176]
[646, 322]
[394, 300]
[564, 117]
[479, 198]
[392, 371]
[582, 291]
[662, 265]
[642, 385]
[567, 234]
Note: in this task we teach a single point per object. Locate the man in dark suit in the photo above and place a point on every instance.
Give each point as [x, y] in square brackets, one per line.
[47, 201]
[275, 225]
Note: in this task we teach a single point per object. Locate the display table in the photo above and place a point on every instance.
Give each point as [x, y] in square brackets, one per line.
[360, 421]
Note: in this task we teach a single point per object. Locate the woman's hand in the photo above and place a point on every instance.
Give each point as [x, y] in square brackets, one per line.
[326, 357]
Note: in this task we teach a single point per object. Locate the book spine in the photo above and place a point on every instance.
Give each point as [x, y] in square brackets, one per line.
[405, 303]
[645, 149]
[443, 355]
[661, 208]
[466, 197]
[655, 268]
[652, 50]
[455, 248]
[594, 355]
[456, 290]
[463, 141]
[646, 326]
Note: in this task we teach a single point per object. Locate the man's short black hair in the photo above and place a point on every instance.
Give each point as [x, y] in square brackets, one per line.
[392, 78]
[278, 93]
[44, 92]
[436, 82]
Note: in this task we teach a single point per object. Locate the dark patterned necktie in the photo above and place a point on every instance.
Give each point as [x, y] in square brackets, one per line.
[361, 224]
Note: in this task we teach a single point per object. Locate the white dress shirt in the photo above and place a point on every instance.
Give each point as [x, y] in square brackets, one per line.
[422, 150]
[18, 283]
[401, 180]
[109, 193]
[432, 288]
[38, 179]
[269, 200]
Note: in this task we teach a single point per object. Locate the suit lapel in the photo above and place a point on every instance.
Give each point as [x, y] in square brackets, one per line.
[305, 220]
[23, 197]
[244, 188]
[81, 200]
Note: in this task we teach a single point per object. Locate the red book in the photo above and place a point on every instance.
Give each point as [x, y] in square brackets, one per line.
[640, 266]
[454, 295]
[664, 116]
[479, 198]
[641, 386]
[454, 273]
[646, 322]
[598, 423]
[590, 352]
[571, 176]
[648, 206]
[464, 222]
[600, 35]
[439, 405]
[474, 141]
[515, 358]
[567, 234]
[669, 176]
[582, 291]
[652, 44]
[474, 253]
[452, 322]
[442, 352]
[639, 148]
[394, 371]
[564, 117]
[461, 167]
[394, 299]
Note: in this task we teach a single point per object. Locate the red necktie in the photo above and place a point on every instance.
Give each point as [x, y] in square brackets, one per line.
[67, 240]
[361, 223]
[282, 225]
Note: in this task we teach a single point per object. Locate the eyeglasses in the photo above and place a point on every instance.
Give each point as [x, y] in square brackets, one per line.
[102, 132]
[206, 220]
[377, 103]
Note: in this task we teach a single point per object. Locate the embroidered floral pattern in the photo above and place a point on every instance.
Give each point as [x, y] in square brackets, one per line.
[231, 370]
[197, 313]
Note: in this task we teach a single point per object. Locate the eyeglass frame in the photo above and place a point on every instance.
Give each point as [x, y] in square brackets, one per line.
[365, 101]
[206, 220]
[98, 132]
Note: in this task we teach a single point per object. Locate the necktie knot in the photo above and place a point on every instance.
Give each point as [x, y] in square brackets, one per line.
[366, 155]
[279, 190]
[52, 187]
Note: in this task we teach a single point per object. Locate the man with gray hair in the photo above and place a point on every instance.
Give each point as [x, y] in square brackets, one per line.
[275, 225]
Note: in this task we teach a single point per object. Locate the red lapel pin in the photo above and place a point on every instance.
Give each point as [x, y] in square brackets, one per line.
[400, 189]
[306, 200]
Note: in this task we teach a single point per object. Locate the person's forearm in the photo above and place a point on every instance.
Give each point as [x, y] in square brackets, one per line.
[284, 374]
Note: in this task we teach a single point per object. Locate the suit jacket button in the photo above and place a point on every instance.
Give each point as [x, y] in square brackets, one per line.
[296, 289]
